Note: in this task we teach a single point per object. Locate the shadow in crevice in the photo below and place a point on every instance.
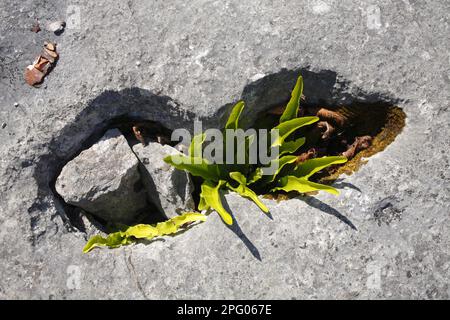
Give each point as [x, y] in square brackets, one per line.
[323, 87]
[100, 114]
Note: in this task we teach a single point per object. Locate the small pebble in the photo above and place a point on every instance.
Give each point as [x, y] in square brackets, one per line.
[3, 125]
[56, 26]
[16, 104]
[138, 63]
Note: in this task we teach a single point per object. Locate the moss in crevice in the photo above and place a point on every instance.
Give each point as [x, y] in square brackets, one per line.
[383, 125]
[381, 122]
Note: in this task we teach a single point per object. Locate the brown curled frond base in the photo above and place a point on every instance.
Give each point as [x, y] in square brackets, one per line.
[355, 131]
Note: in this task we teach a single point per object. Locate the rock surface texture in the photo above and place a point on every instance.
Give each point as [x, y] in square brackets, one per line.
[386, 236]
[168, 188]
[105, 180]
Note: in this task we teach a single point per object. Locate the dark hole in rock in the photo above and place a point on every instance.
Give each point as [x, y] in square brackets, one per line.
[357, 131]
[155, 136]
[360, 131]
[150, 131]
[373, 117]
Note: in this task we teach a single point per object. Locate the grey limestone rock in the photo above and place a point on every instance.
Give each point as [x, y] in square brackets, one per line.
[104, 180]
[196, 60]
[170, 189]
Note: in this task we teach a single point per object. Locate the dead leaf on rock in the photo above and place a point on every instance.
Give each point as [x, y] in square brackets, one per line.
[50, 46]
[35, 73]
[51, 53]
[41, 63]
[33, 76]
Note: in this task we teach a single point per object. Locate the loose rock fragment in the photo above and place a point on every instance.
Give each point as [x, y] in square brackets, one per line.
[167, 187]
[56, 26]
[104, 180]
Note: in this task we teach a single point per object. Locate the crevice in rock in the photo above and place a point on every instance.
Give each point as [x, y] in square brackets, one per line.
[356, 131]
[106, 110]
[154, 134]
[353, 122]
[120, 109]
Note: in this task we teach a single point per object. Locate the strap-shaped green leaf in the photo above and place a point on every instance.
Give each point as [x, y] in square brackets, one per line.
[309, 167]
[195, 148]
[202, 205]
[278, 163]
[292, 107]
[245, 191]
[113, 240]
[211, 197]
[288, 127]
[142, 231]
[255, 176]
[233, 119]
[291, 146]
[198, 167]
[238, 177]
[302, 185]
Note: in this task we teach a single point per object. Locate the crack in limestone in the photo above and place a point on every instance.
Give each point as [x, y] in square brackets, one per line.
[132, 271]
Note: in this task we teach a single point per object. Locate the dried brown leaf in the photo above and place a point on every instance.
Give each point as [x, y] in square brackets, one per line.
[47, 56]
[51, 53]
[42, 64]
[33, 76]
[50, 46]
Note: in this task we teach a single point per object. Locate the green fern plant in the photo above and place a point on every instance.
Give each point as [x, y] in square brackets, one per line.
[131, 234]
[248, 179]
